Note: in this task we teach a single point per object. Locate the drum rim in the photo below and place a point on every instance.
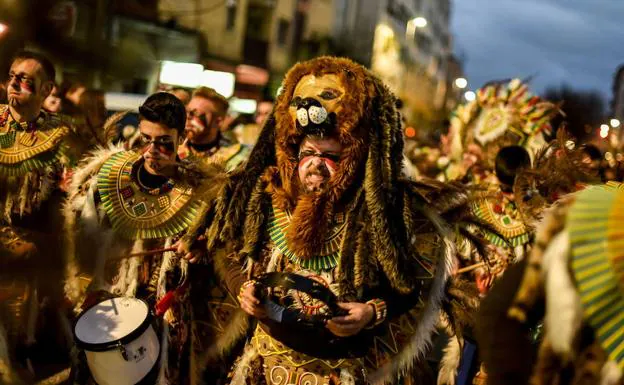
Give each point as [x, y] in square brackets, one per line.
[105, 346]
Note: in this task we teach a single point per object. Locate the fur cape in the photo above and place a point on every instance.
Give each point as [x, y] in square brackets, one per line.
[390, 218]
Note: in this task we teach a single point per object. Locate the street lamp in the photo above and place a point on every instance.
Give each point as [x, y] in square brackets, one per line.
[412, 24]
[615, 123]
[461, 83]
[419, 22]
[470, 96]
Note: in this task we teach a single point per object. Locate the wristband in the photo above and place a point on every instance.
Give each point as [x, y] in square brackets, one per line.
[381, 311]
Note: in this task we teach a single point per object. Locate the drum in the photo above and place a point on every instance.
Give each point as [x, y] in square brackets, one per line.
[118, 339]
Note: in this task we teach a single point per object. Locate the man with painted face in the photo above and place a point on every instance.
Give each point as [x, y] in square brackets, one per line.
[126, 202]
[205, 113]
[36, 152]
[341, 260]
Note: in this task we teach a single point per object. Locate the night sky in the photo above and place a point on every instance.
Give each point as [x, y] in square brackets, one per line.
[577, 42]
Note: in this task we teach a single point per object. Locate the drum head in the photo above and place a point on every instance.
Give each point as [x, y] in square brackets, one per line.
[111, 321]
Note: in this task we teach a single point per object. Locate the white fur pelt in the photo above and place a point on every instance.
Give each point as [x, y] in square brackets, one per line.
[563, 304]
[82, 216]
[420, 342]
[611, 374]
[243, 365]
[127, 280]
[451, 360]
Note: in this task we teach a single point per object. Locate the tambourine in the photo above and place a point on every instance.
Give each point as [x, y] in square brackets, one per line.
[314, 289]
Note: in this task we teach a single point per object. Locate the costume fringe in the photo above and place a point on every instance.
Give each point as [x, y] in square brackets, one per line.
[7, 375]
[80, 204]
[450, 362]
[243, 366]
[421, 340]
[532, 285]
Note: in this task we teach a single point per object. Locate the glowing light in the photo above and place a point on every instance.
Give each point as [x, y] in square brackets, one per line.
[3, 28]
[615, 123]
[180, 74]
[243, 106]
[222, 82]
[461, 83]
[419, 22]
[384, 32]
[470, 96]
[410, 132]
[604, 131]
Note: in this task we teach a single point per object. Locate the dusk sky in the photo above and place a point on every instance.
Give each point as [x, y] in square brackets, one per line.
[578, 42]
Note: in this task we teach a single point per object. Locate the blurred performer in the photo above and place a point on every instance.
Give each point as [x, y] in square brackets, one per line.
[205, 114]
[263, 110]
[182, 94]
[124, 202]
[491, 139]
[36, 152]
[498, 143]
[248, 133]
[361, 255]
[53, 102]
[572, 282]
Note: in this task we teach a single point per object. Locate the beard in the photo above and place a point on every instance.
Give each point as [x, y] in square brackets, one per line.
[315, 178]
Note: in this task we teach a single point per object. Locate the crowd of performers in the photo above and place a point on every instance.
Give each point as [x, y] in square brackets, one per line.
[317, 256]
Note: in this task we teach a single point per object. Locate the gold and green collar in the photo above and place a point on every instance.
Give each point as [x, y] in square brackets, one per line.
[25, 147]
[328, 258]
[138, 214]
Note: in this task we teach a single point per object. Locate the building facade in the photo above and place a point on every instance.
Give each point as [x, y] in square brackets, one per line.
[408, 44]
[257, 40]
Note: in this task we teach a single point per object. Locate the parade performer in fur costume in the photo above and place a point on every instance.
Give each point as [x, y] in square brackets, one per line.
[128, 202]
[36, 153]
[572, 280]
[322, 203]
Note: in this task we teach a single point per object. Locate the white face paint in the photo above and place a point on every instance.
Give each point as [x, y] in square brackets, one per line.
[318, 161]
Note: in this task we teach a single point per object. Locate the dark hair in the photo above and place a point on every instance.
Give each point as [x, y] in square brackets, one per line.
[592, 151]
[46, 65]
[509, 161]
[166, 109]
[94, 108]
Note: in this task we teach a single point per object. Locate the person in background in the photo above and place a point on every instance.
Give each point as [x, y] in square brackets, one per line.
[263, 109]
[181, 93]
[3, 93]
[73, 92]
[205, 113]
[93, 111]
[248, 133]
[53, 102]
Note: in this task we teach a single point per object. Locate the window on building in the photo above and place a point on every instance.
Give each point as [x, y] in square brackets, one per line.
[283, 27]
[230, 18]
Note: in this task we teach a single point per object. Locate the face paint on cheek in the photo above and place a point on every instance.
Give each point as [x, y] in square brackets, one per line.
[307, 163]
[166, 149]
[26, 87]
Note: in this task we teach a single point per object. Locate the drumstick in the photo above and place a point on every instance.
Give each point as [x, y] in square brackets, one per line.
[150, 252]
[470, 268]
